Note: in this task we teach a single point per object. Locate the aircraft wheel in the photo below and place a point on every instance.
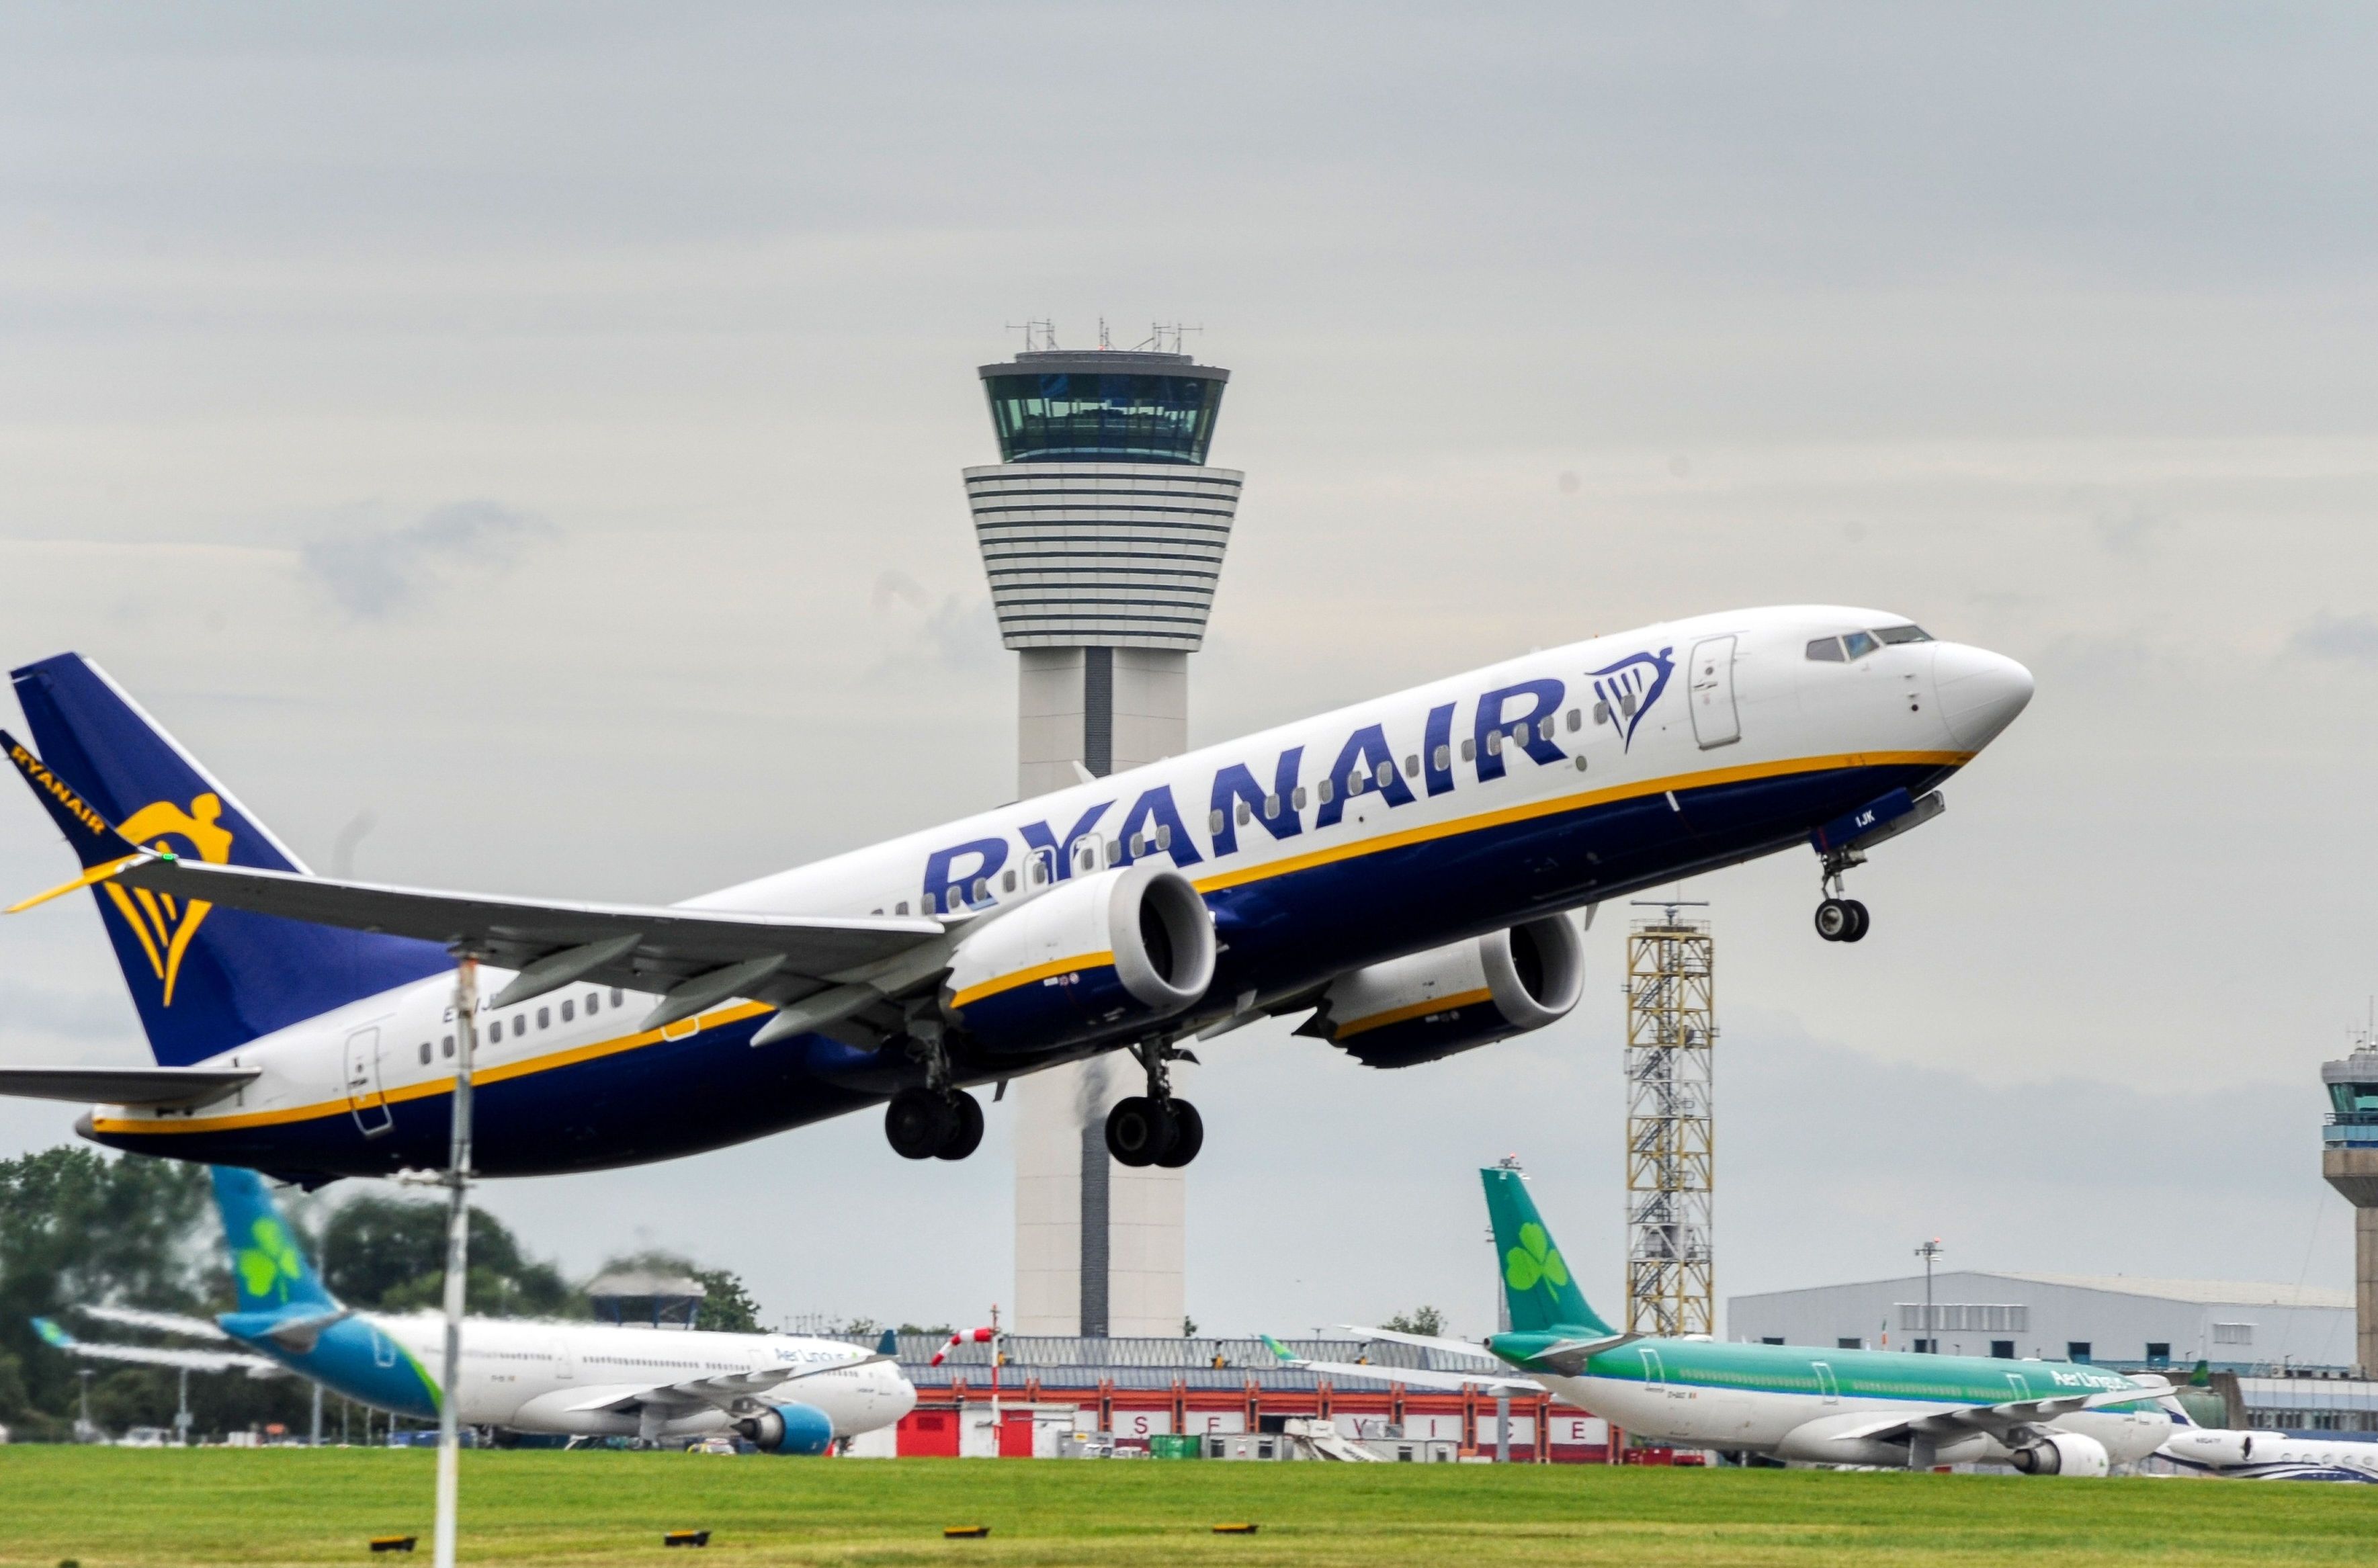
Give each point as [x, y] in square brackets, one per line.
[1834, 920]
[1138, 1131]
[1188, 1136]
[966, 1127]
[918, 1123]
[1860, 921]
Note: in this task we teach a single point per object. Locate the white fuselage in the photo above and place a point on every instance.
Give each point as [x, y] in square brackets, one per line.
[532, 1375]
[1795, 1426]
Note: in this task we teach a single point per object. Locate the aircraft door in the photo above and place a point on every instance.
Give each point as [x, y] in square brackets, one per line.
[1828, 1390]
[565, 1364]
[1715, 723]
[1655, 1376]
[364, 1101]
[2022, 1386]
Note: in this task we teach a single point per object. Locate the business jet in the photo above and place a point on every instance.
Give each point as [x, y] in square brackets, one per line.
[1406, 873]
[1862, 1408]
[784, 1394]
[2272, 1457]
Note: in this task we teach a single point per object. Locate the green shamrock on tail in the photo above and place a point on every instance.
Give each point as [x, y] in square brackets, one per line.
[1534, 1258]
[273, 1259]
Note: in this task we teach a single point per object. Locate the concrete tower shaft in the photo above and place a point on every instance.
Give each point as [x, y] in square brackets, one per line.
[2348, 1158]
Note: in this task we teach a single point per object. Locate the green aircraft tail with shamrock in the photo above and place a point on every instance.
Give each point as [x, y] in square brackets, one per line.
[1536, 1279]
[267, 1266]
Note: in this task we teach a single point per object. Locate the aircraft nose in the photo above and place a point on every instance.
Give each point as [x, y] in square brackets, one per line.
[1979, 692]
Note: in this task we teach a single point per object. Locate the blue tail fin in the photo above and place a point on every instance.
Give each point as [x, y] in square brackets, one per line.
[206, 980]
[267, 1265]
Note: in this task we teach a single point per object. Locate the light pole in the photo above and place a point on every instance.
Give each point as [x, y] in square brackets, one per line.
[1930, 1252]
[458, 1247]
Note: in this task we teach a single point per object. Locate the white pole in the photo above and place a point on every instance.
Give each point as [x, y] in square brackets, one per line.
[458, 1246]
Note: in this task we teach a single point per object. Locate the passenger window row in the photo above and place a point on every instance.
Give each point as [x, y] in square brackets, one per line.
[519, 1023]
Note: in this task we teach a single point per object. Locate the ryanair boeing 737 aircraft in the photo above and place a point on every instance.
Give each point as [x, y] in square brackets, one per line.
[1405, 871]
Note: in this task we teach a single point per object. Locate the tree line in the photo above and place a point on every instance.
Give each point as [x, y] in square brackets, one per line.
[81, 1227]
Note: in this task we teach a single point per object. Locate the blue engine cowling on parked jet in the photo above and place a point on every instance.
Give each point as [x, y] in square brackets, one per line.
[1432, 1004]
[1092, 957]
[787, 1428]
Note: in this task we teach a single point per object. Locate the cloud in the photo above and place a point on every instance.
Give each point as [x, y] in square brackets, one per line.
[383, 571]
[2352, 638]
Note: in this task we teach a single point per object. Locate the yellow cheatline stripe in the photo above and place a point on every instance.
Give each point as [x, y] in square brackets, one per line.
[426, 1088]
[1226, 879]
[92, 877]
[1417, 1009]
[1579, 801]
[1025, 977]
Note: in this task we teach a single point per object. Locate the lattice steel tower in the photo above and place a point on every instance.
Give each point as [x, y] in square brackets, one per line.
[1671, 1026]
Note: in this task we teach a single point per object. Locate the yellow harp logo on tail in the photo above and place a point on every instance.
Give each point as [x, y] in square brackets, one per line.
[163, 924]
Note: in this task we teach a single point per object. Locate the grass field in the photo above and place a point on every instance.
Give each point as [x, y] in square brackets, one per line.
[103, 1507]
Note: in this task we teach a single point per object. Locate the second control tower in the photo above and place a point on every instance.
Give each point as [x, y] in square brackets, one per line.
[1102, 531]
[2348, 1158]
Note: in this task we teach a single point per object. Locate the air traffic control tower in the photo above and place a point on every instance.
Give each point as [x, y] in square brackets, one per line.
[2348, 1157]
[1102, 533]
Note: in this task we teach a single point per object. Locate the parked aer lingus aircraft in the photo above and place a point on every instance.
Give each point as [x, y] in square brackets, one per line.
[1404, 870]
[785, 1393]
[1792, 1401]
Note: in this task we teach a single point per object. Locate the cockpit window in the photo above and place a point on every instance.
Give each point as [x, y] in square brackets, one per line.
[1826, 650]
[1860, 643]
[1902, 634]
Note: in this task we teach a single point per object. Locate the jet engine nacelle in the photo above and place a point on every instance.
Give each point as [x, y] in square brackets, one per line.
[2063, 1453]
[787, 1428]
[1092, 956]
[1450, 998]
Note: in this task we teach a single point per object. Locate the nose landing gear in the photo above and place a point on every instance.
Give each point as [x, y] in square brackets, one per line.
[1155, 1129]
[1842, 920]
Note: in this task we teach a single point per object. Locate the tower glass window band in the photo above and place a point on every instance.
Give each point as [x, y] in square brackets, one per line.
[1067, 417]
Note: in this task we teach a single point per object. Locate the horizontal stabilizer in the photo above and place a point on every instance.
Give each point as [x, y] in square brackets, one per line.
[124, 1085]
[163, 1322]
[156, 1356]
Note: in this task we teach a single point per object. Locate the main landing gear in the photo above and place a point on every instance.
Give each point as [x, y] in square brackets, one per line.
[1155, 1129]
[1841, 919]
[940, 1120]
[923, 1125]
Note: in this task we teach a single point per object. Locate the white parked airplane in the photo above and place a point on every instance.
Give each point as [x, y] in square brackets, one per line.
[2272, 1457]
[786, 1393]
[1403, 870]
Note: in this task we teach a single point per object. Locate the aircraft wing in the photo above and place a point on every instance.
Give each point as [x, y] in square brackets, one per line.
[157, 1356]
[1940, 1422]
[699, 957]
[1410, 1377]
[1420, 1341]
[124, 1085]
[724, 1392]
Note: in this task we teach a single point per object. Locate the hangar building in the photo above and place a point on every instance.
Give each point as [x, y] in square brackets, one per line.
[2118, 1320]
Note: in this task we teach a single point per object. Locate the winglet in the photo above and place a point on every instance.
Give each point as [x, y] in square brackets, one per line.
[95, 839]
[52, 1334]
[1277, 1348]
[89, 879]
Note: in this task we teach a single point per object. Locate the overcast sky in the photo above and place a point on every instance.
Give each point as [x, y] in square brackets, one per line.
[523, 439]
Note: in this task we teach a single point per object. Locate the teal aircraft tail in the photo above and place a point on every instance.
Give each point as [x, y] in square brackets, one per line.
[1536, 1281]
[270, 1271]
